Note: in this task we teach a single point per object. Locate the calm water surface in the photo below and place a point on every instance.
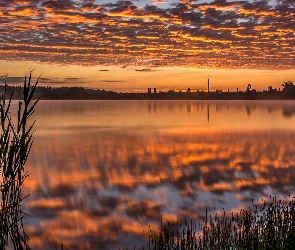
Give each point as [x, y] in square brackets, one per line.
[103, 171]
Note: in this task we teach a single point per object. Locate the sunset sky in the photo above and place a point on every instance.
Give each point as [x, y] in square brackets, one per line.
[133, 45]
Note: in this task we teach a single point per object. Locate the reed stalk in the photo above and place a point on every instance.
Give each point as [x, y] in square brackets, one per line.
[15, 144]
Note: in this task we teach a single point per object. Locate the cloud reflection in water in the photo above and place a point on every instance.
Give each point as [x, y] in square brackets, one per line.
[102, 187]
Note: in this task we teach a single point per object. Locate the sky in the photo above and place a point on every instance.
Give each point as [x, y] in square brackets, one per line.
[133, 45]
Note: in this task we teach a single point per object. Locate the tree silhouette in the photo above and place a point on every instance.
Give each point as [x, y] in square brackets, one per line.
[249, 87]
[288, 85]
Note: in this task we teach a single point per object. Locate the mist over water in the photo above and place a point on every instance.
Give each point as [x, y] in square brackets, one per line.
[103, 171]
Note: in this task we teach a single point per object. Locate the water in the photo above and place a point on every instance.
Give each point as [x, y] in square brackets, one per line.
[102, 172]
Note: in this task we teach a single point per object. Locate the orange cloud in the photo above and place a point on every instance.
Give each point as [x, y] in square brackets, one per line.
[193, 34]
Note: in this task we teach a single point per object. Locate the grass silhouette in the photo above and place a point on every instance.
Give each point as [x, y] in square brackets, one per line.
[270, 225]
[15, 143]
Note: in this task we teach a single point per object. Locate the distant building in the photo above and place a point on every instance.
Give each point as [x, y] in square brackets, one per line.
[155, 90]
[149, 90]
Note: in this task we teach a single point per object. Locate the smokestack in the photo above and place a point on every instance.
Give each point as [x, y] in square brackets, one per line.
[208, 85]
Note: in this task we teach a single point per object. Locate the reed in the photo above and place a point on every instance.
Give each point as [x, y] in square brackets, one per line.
[270, 225]
[15, 143]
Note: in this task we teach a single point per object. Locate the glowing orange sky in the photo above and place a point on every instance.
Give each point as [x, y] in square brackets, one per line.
[176, 44]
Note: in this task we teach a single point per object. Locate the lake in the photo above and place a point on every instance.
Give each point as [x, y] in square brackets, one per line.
[102, 172]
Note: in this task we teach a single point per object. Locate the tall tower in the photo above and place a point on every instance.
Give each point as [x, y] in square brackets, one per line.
[208, 84]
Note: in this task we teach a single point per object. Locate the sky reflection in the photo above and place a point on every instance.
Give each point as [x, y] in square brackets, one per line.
[102, 182]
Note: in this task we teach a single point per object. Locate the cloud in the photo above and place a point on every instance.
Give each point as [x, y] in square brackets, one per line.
[110, 81]
[58, 81]
[219, 34]
[158, 1]
[145, 70]
[12, 80]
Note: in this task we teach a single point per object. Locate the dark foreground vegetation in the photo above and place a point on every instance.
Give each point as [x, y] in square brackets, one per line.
[15, 145]
[269, 225]
[79, 93]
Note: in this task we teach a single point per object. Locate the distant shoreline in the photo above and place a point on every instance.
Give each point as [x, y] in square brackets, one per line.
[80, 93]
